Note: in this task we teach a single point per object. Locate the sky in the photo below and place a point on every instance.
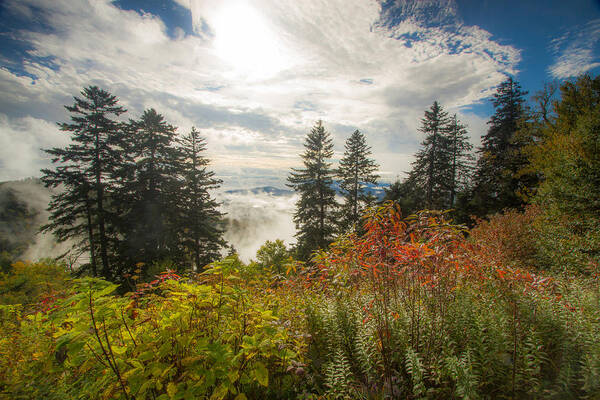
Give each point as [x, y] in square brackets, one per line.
[255, 76]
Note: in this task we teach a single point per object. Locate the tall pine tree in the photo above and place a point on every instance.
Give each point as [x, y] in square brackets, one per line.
[86, 169]
[315, 210]
[200, 225]
[460, 159]
[431, 168]
[497, 182]
[150, 195]
[356, 171]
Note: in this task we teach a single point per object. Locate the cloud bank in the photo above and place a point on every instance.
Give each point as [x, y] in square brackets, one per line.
[254, 218]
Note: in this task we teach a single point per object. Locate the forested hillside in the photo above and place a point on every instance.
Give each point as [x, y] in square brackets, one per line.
[477, 276]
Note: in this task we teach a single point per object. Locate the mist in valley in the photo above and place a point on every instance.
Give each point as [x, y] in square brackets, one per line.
[253, 216]
[22, 231]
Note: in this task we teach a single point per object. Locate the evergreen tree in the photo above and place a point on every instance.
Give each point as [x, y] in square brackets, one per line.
[497, 182]
[356, 170]
[431, 169]
[71, 212]
[200, 225]
[315, 210]
[460, 157]
[150, 194]
[85, 170]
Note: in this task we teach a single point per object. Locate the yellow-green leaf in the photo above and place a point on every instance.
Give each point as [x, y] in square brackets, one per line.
[171, 390]
[261, 374]
[219, 393]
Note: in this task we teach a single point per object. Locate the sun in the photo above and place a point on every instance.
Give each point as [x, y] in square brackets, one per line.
[246, 43]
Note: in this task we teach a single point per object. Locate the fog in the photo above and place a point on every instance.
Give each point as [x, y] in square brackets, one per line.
[256, 216]
[252, 217]
[36, 198]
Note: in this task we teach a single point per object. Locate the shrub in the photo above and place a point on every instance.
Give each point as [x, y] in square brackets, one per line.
[28, 283]
[510, 238]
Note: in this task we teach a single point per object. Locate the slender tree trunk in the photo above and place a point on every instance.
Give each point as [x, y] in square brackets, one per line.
[431, 171]
[355, 205]
[321, 212]
[453, 183]
[102, 229]
[321, 223]
[153, 207]
[101, 216]
[88, 209]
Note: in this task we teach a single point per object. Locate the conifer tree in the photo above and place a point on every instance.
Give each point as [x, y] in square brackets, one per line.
[71, 212]
[85, 170]
[150, 195]
[315, 210]
[497, 181]
[200, 225]
[356, 170]
[460, 157]
[430, 173]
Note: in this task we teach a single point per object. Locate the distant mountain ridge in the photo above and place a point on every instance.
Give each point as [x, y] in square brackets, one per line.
[377, 190]
[272, 190]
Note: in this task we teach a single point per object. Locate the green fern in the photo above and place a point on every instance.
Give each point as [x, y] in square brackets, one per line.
[339, 378]
[532, 359]
[464, 376]
[414, 367]
[366, 354]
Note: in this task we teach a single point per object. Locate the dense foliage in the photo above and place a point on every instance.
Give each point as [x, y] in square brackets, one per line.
[409, 309]
[566, 154]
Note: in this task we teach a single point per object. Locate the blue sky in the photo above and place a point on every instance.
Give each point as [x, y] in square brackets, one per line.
[254, 76]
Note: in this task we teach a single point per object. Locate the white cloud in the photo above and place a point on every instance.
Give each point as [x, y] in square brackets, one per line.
[338, 60]
[576, 51]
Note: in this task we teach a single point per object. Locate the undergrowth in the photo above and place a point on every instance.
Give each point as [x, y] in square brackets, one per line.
[409, 309]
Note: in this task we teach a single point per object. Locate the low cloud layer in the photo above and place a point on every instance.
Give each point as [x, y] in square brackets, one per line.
[254, 218]
[21, 143]
[35, 198]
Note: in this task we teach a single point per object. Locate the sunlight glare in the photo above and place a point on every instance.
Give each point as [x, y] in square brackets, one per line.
[244, 40]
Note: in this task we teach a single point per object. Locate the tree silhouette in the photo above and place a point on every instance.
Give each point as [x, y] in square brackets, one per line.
[315, 210]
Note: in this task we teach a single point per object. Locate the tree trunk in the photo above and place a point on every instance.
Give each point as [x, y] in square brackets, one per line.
[101, 221]
[88, 209]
